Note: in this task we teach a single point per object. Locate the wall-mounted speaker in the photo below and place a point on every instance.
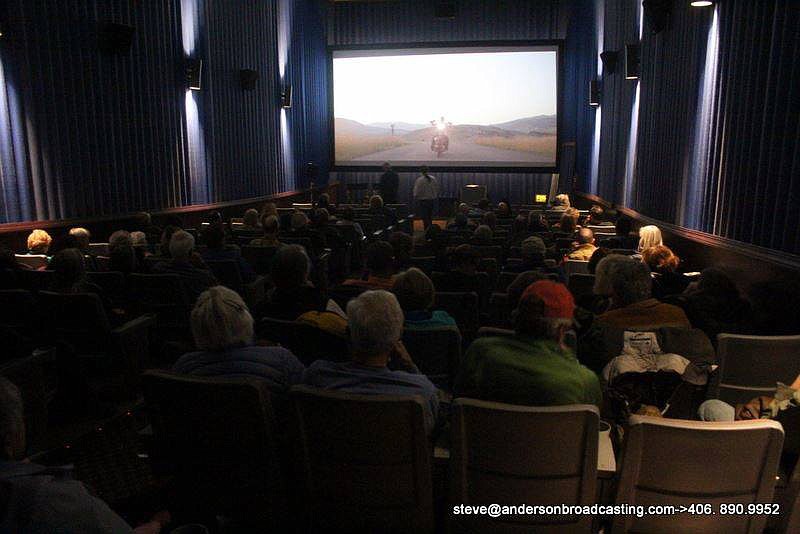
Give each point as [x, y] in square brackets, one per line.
[633, 61]
[657, 14]
[609, 59]
[115, 38]
[194, 74]
[248, 79]
[445, 10]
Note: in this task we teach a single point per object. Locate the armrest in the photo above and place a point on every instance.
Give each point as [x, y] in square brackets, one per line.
[134, 325]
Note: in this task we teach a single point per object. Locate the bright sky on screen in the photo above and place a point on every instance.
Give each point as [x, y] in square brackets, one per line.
[465, 88]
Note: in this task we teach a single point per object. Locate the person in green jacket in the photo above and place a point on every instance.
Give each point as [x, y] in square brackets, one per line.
[533, 367]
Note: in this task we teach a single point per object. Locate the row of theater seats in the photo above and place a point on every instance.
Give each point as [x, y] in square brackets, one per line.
[333, 462]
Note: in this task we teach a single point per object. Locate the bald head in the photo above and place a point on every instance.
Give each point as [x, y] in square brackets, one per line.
[585, 235]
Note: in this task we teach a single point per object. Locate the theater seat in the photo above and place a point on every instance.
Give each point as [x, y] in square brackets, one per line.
[507, 454]
[580, 285]
[218, 437]
[228, 274]
[365, 462]
[576, 267]
[116, 355]
[436, 351]
[463, 307]
[680, 463]
[307, 342]
[162, 295]
[34, 261]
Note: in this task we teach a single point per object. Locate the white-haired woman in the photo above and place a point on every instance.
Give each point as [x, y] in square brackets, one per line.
[376, 325]
[222, 328]
[649, 236]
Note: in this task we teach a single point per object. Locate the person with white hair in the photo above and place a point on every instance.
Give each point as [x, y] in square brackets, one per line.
[649, 236]
[560, 202]
[44, 499]
[194, 279]
[222, 328]
[534, 367]
[82, 238]
[375, 320]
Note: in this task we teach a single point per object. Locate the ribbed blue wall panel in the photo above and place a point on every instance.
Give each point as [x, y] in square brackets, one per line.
[243, 125]
[91, 133]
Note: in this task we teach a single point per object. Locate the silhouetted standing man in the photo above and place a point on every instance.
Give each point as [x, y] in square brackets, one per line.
[389, 184]
[426, 192]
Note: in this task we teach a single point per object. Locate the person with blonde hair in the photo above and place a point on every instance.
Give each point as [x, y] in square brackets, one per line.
[561, 202]
[250, 220]
[222, 328]
[649, 236]
[39, 242]
[82, 238]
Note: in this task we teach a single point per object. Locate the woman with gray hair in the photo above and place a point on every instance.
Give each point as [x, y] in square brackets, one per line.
[222, 328]
[376, 325]
[415, 293]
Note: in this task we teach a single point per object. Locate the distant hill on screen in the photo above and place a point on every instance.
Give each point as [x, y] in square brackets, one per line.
[350, 127]
[540, 124]
[399, 126]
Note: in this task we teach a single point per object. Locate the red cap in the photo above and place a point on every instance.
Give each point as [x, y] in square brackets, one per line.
[558, 301]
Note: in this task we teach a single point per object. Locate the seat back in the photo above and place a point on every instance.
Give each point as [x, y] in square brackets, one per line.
[259, 258]
[113, 284]
[463, 307]
[18, 310]
[503, 453]
[36, 280]
[365, 462]
[162, 294]
[576, 267]
[78, 318]
[436, 351]
[750, 366]
[342, 294]
[98, 249]
[426, 264]
[34, 261]
[228, 274]
[675, 462]
[195, 421]
[580, 285]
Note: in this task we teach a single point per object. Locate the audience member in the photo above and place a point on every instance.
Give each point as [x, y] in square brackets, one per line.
[39, 242]
[714, 305]
[633, 306]
[533, 251]
[217, 250]
[534, 367]
[82, 239]
[649, 236]
[43, 499]
[324, 203]
[560, 202]
[380, 267]
[537, 222]
[122, 256]
[623, 236]
[663, 265]
[166, 236]
[389, 184]
[69, 273]
[222, 328]
[518, 286]
[269, 208]
[597, 255]
[270, 227]
[459, 222]
[380, 216]
[463, 274]
[482, 236]
[489, 219]
[293, 294]
[519, 231]
[380, 363]
[250, 221]
[415, 293]
[194, 276]
[299, 224]
[504, 210]
[348, 216]
[403, 246]
[567, 224]
[143, 222]
[586, 246]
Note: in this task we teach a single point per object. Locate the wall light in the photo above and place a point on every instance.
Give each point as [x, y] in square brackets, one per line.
[594, 93]
[701, 3]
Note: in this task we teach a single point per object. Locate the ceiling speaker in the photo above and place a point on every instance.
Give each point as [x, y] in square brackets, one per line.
[609, 59]
[633, 61]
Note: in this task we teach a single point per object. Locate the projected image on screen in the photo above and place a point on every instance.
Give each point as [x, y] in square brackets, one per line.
[476, 107]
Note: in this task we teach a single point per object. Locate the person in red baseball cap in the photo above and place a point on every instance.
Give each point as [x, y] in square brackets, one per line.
[534, 367]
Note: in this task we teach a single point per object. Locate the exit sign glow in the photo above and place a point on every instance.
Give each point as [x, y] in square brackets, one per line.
[541, 199]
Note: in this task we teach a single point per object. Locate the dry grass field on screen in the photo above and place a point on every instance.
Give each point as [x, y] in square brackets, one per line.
[544, 144]
[349, 147]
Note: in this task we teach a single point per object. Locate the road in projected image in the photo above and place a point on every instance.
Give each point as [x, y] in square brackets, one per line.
[486, 108]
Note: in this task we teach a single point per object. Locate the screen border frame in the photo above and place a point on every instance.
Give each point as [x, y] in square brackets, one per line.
[557, 43]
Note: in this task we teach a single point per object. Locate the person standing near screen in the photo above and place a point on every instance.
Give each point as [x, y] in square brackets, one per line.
[389, 184]
[426, 192]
